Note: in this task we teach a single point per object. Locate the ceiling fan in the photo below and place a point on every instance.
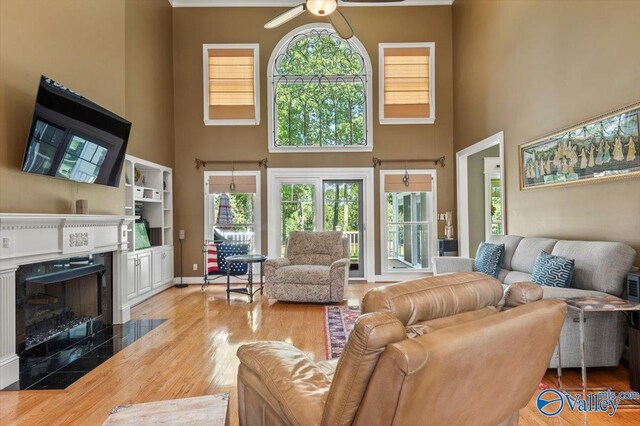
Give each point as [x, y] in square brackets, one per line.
[323, 8]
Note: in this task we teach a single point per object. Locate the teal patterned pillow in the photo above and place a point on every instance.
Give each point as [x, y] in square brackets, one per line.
[553, 271]
[489, 259]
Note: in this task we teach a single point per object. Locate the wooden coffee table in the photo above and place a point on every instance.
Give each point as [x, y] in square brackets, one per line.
[210, 410]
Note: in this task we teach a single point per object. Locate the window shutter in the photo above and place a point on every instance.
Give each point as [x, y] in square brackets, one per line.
[220, 184]
[231, 84]
[417, 183]
[406, 82]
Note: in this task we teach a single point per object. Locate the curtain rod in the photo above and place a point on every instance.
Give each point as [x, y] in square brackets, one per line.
[203, 163]
[378, 162]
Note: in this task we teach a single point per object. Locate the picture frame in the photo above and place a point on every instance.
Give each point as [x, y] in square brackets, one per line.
[606, 147]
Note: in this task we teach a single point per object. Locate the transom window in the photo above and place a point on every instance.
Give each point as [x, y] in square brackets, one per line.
[319, 93]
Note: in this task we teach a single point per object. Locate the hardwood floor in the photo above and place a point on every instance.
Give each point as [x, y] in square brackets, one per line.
[193, 354]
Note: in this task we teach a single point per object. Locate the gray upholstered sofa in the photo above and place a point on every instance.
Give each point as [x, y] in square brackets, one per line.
[315, 268]
[600, 269]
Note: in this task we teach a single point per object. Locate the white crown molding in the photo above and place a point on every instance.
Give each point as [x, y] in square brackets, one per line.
[291, 3]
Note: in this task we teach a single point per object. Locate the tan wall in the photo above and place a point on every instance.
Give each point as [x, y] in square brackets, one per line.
[81, 45]
[149, 79]
[117, 53]
[532, 67]
[194, 27]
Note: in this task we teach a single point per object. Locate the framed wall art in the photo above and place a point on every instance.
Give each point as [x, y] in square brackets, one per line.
[605, 147]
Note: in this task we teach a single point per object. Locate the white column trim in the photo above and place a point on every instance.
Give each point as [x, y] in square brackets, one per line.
[9, 361]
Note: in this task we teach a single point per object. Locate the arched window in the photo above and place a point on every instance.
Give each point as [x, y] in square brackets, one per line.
[319, 93]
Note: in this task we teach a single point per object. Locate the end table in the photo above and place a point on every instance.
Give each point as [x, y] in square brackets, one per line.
[595, 304]
[248, 289]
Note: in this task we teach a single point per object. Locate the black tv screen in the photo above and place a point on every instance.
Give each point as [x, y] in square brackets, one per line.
[75, 139]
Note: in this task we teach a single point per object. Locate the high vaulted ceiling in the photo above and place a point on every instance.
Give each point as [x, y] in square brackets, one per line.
[286, 3]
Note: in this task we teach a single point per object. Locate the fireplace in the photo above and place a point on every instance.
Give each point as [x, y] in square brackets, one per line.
[75, 283]
[59, 302]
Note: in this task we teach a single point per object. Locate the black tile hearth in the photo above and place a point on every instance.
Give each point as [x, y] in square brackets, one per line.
[76, 355]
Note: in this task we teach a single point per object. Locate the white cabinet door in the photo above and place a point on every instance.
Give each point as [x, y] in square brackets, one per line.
[132, 276]
[156, 266]
[167, 265]
[144, 274]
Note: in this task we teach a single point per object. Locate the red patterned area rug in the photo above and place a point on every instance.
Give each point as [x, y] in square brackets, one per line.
[338, 323]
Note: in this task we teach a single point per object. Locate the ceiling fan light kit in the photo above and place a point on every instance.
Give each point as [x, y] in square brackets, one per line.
[322, 7]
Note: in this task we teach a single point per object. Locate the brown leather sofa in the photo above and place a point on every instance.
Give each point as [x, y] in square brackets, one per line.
[467, 362]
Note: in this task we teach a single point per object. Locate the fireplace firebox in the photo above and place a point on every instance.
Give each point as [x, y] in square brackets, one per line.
[61, 301]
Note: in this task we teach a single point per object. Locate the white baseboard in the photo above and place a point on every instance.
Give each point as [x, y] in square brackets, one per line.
[9, 370]
[235, 280]
[142, 297]
[125, 313]
[222, 280]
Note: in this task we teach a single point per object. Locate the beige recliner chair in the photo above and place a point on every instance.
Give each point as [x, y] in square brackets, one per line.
[467, 364]
[315, 268]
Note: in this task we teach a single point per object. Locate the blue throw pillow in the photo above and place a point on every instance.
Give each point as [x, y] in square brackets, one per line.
[553, 271]
[489, 259]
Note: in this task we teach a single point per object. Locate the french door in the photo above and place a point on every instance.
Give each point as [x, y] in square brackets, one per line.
[342, 211]
[319, 203]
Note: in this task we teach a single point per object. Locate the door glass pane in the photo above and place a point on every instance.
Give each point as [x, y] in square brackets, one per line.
[496, 207]
[408, 230]
[232, 217]
[342, 213]
[297, 201]
[408, 246]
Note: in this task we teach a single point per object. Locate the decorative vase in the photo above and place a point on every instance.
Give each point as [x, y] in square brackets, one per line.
[448, 228]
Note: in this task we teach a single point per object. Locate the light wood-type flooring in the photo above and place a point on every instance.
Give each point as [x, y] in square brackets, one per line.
[194, 353]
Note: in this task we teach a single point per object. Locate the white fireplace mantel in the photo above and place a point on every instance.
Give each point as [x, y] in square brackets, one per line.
[32, 238]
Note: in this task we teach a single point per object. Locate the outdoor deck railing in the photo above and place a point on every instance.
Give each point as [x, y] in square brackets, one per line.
[354, 243]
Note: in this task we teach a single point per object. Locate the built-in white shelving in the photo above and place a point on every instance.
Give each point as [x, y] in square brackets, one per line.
[149, 195]
[148, 188]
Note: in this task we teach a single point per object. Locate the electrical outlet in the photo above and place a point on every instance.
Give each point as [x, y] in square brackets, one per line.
[195, 266]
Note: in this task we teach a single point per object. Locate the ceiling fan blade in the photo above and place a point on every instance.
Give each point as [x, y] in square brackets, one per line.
[341, 24]
[285, 17]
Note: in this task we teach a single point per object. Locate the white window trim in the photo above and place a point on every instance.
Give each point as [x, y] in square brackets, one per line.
[280, 47]
[394, 275]
[256, 81]
[308, 175]
[257, 223]
[432, 84]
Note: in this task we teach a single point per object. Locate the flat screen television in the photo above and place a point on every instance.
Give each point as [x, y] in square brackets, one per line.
[73, 138]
